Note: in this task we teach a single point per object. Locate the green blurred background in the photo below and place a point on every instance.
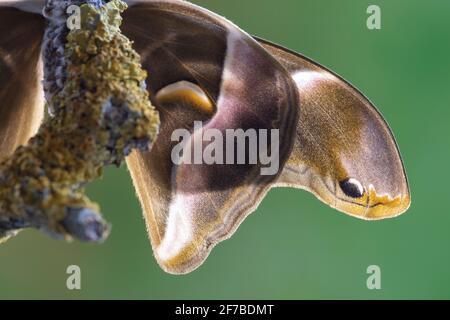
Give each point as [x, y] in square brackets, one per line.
[293, 246]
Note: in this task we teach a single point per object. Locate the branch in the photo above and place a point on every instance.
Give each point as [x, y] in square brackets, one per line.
[100, 113]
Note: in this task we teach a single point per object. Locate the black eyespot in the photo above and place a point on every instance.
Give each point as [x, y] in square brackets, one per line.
[352, 188]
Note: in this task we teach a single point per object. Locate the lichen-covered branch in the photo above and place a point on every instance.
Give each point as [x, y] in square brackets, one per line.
[100, 112]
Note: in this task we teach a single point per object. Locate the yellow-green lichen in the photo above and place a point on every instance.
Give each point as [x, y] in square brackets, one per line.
[102, 113]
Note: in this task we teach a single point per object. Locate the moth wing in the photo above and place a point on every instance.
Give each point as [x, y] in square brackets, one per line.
[33, 6]
[21, 94]
[345, 152]
[187, 50]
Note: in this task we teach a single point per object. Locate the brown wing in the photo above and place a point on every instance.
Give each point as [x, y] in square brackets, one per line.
[21, 95]
[345, 152]
[190, 54]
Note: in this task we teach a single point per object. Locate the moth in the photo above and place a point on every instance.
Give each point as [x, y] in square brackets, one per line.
[202, 67]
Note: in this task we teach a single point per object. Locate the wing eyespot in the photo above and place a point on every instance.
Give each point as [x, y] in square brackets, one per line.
[352, 188]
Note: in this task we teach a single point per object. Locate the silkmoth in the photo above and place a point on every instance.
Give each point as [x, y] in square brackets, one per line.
[201, 67]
